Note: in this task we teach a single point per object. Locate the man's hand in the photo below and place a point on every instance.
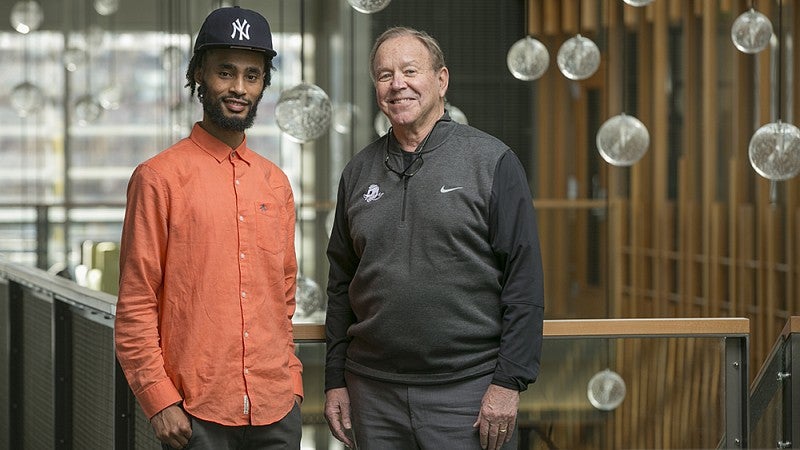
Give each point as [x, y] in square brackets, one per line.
[172, 426]
[497, 417]
[337, 413]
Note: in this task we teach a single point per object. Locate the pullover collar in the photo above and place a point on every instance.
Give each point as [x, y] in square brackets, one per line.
[438, 135]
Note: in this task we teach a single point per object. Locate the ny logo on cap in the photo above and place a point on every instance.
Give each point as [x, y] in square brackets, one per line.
[243, 28]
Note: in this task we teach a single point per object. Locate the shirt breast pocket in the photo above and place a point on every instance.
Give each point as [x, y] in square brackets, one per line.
[270, 233]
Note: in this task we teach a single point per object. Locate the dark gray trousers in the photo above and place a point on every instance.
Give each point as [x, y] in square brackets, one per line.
[406, 417]
[282, 435]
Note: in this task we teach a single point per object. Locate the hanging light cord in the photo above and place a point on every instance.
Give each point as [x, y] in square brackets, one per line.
[352, 59]
[624, 69]
[283, 40]
[112, 25]
[780, 59]
[527, 20]
[300, 221]
[87, 35]
[302, 40]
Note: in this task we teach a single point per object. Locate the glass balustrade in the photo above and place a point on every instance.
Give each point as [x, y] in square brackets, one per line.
[604, 383]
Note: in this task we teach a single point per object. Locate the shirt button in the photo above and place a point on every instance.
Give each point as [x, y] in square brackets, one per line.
[246, 371]
[246, 334]
[241, 255]
[236, 182]
[244, 294]
[241, 218]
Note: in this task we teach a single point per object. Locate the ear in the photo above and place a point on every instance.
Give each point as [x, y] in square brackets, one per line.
[444, 81]
[198, 75]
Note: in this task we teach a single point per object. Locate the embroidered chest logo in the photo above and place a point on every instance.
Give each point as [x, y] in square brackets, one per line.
[373, 193]
[243, 28]
[445, 190]
[263, 207]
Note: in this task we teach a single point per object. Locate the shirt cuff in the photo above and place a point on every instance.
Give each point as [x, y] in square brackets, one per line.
[157, 397]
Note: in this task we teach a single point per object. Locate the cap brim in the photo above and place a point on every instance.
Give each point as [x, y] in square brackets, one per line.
[270, 52]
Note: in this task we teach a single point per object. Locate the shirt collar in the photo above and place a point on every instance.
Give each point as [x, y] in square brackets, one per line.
[216, 148]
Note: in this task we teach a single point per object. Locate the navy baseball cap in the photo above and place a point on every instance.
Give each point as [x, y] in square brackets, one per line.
[235, 27]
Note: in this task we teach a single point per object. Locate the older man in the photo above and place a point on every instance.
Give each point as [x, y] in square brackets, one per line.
[434, 320]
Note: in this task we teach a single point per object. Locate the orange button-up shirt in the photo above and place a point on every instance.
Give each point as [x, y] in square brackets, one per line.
[207, 283]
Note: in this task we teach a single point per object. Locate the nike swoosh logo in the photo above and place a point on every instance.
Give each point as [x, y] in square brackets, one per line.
[445, 190]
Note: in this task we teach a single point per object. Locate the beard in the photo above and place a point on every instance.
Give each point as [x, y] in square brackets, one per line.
[213, 107]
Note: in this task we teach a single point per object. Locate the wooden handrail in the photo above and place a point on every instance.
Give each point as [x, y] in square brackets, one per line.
[591, 328]
[792, 326]
[694, 327]
[309, 332]
[314, 332]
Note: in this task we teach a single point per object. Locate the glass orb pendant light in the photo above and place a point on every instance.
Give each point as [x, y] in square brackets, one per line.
[309, 296]
[106, 7]
[578, 58]
[751, 32]
[456, 114]
[87, 110]
[775, 151]
[96, 37]
[303, 112]
[369, 6]
[344, 114]
[622, 140]
[606, 390]
[528, 59]
[181, 114]
[27, 98]
[171, 57]
[110, 96]
[74, 57]
[381, 124]
[26, 16]
[638, 2]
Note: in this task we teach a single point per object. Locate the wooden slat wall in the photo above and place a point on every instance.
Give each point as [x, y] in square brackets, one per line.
[708, 237]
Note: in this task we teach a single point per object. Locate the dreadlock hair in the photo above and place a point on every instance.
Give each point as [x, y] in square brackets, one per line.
[197, 62]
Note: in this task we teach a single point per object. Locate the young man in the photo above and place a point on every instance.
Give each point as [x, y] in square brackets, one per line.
[208, 269]
[435, 292]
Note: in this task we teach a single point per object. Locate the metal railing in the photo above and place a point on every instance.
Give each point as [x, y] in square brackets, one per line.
[63, 388]
[775, 393]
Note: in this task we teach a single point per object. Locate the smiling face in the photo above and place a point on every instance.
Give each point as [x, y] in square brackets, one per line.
[407, 87]
[232, 83]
